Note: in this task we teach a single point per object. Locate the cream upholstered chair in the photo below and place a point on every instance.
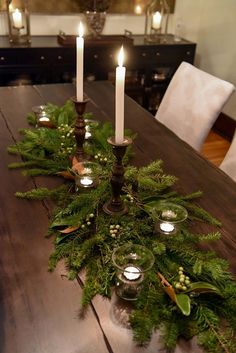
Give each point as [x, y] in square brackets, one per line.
[192, 103]
[229, 163]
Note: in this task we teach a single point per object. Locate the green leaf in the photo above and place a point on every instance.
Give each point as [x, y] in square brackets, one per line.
[183, 302]
[62, 238]
[58, 223]
[202, 287]
[154, 203]
[159, 198]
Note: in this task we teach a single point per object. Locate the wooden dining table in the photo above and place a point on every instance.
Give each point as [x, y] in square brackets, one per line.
[40, 312]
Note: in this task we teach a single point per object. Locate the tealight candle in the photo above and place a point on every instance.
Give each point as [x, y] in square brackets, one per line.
[90, 127]
[87, 135]
[44, 118]
[132, 273]
[86, 181]
[42, 115]
[86, 174]
[167, 227]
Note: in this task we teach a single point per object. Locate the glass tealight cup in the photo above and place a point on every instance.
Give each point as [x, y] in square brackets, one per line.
[169, 217]
[86, 174]
[131, 262]
[43, 119]
[90, 127]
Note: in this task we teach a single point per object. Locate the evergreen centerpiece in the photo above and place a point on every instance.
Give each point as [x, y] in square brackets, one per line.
[187, 292]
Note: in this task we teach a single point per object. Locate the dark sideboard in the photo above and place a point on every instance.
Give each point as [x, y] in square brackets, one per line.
[48, 59]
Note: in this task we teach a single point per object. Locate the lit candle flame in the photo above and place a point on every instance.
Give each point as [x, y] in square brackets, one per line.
[121, 56]
[138, 9]
[81, 29]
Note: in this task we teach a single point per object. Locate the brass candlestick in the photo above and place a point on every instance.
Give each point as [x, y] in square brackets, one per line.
[79, 129]
[115, 205]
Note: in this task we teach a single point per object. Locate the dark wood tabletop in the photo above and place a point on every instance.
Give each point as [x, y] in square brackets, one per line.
[40, 311]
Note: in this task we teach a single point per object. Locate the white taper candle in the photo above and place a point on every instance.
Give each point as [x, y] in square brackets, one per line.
[119, 103]
[80, 64]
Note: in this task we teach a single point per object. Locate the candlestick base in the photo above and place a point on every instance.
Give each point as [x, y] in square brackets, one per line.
[79, 128]
[115, 205]
[115, 208]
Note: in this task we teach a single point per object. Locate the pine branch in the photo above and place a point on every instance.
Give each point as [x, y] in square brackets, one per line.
[44, 193]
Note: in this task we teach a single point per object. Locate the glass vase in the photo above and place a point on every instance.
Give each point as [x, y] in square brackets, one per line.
[95, 22]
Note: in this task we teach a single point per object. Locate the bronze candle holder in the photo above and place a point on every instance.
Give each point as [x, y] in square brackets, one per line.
[79, 129]
[115, 205]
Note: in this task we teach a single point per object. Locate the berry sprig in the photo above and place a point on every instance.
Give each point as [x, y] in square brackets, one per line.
[88, 221]
[100, 158]
[114, 230]
[130, 198]
[66, 130]
[66, 133]
[183, 280]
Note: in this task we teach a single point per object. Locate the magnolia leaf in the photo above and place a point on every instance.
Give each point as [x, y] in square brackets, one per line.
[167, 287]
[69, 230]
[171, 292]
[202, 287]
[77, 167]
[58, 223]
[66, 175]
[61, 239]
[183, 302]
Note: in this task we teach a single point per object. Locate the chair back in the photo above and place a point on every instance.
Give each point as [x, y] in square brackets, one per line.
[192, 103]
[229, 163]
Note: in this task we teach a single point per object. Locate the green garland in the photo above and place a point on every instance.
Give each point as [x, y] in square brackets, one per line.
[202, 298]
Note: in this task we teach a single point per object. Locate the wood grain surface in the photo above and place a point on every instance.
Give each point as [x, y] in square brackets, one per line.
[39, 311]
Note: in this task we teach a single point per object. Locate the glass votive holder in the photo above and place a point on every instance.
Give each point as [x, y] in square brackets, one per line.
[86, 174]
[169, 217]
[43, 119]
[131, 263]
[90, 126]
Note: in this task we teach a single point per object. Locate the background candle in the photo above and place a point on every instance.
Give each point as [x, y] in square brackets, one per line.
[80, 64]
[156, 20]
[120, 90]
[17, 19]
